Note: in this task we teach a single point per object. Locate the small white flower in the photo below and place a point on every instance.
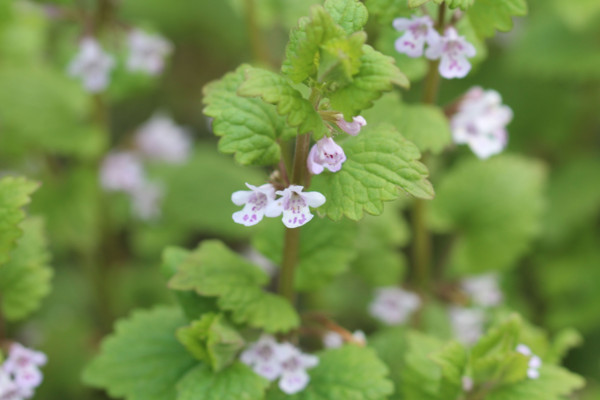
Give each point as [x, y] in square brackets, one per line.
[294, 204]
[121, 171]
[146, 200]
[255, 202]
[467, 383]
[351, 128]
[534, 364]
[92, 65]
[333, 340]
[393, 305]
[418, 31]
[481, 122]
[294, 364]
[453, 51]
[483, 289]
[467, 324]
[161, 139]
[147, 52]
[325, 154]
[264, 357]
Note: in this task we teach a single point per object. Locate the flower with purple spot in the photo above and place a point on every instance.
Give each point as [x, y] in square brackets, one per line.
[163, 140]
[294, 364]
[255, 202]
[453, 50]
[325, 154]
[294, 204]
[264, 358]
[351, 128]
[417, 32]
[20, 373]
[393, 305]
[92, 65]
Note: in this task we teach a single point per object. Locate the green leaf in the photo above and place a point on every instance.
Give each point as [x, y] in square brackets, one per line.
[562, 342]
[391, 346]
[249, 128]
[14, 195]
[275, 89]
[213, 340]
[215, 271]
[453, 362]
[349, 372]
[380, 163]
[25, 278]
[377, 74]
[349, 14]
[387, 10]
[340, 59]
[142, 360]
[421, 377]
[418, 3]
[487, 16]
[326, 249]
[494, 206]
[237, 382]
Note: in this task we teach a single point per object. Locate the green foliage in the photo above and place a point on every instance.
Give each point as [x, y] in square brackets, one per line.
[326, 249]
[391, 346]
[237, 382]
[14, 195]
[349, 14]
[212, 340]
[377, 74]
[487, 16]
[142, 360]
[275, 89]
[249, 128]
[215, 271]
[418, 3]
[25, 278]
[349, 372]
[495, 209]
[380, 163]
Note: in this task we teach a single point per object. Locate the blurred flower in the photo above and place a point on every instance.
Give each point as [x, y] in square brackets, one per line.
[147, 52]
[418, 31]
[467, 383]
[325, 154]
[483, 289]
[351, 128]
[161, 139]
[259, 260]
[264, 358]
[294, 204]
[92, 65]
[393, 305]
[121, 171]
[534, 363]
[453, 51]
[146, 200]
[255, 201]
[467, 324]
[481, 122]
[333, 340]
[20, 373]
[294, 364]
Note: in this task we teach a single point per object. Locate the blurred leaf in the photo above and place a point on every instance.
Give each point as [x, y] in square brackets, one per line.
[25, 278]
[237, 382]
[563, 341]
[487, 16]
[14, 195]
[349, 14]
[142, 360]
[494, 206]
[326, 249]
[380, 163]
[387, 10]
[249, 128]
[391, 345]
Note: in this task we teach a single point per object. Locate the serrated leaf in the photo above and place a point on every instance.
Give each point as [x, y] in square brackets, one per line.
[487, 16]
[378, 73]
[249, 128]
[494, 206]
[25, 278]
[142, 360]
[212, 340]
[380, 163]
[215, 271]
[452, 359]
[14, 195]
[349, 14]
[349, 372]
[275, 89]
[326, 249]
[237, 382]
[340, 58]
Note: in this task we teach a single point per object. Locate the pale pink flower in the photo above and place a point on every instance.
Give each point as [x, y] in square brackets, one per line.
[20, 374]
[393, 305]
[146, 200]
[325, 154]
[20, 357]
[264, 357]
[483, 289]
[92, 65]
[294, 204]
[453, 51]
[255, 202]
[121, 171]
[294, 364]
[467, 324]
[161, 139]
[418, 31]
[351, 128]
[147, 52]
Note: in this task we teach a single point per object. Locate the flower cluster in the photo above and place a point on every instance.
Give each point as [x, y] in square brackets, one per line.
[273, 360]
[20, 373]
[123, 171]
[480, 122]
[451, 49]
[393, 305]
[333, 340]
[534, 364]
[93, 65]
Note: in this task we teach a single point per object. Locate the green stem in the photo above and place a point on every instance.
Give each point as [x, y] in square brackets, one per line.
[259, 50]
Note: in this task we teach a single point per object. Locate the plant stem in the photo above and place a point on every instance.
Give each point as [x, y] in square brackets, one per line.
[259, 51]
